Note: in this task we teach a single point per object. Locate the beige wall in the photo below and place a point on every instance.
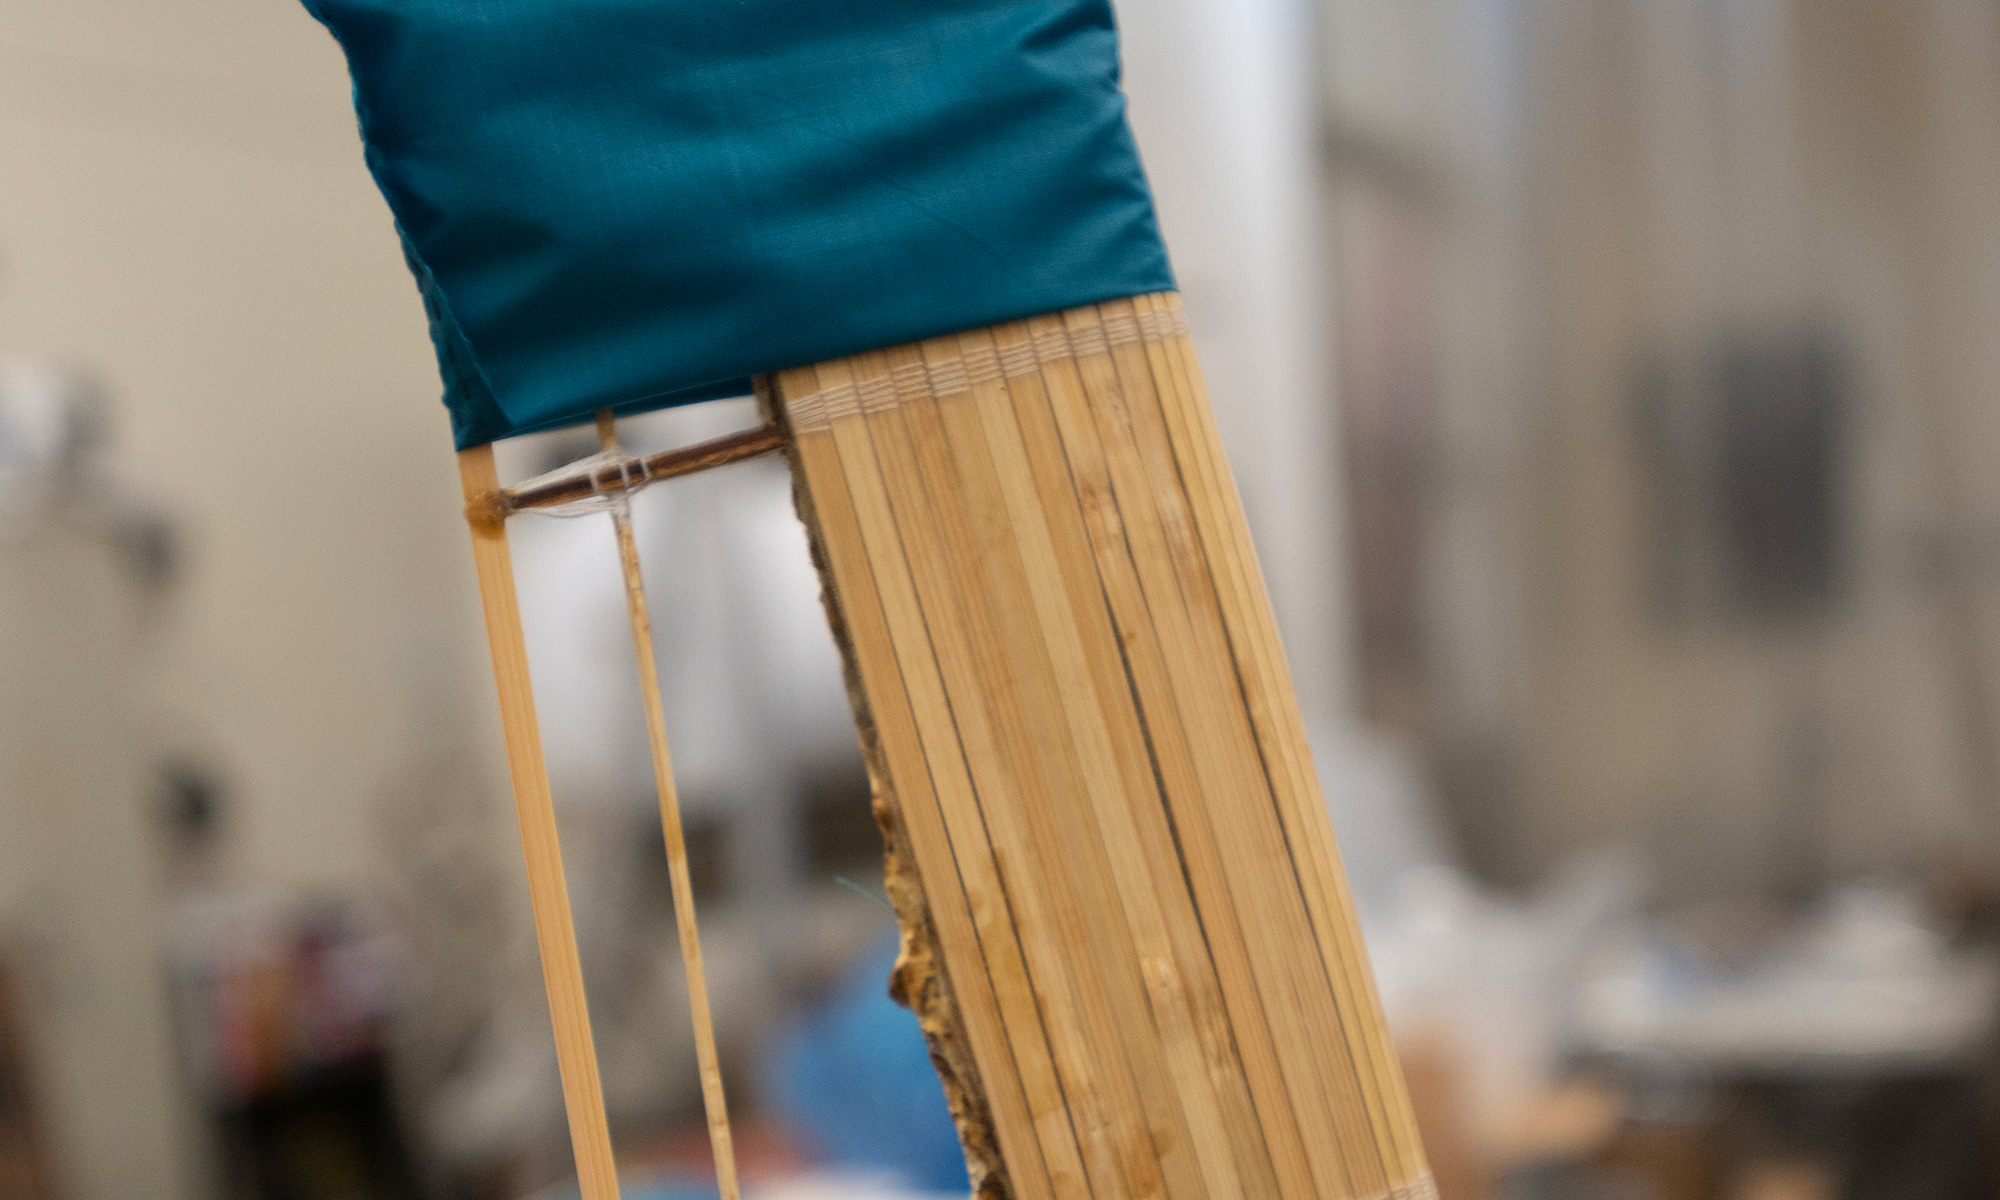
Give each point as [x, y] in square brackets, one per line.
[1809, 160]
[80, 875]
[182, 210]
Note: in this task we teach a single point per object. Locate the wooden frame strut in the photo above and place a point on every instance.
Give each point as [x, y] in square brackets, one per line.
[497, 504]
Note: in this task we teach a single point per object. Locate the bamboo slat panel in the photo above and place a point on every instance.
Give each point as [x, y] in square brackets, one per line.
[1126, 930]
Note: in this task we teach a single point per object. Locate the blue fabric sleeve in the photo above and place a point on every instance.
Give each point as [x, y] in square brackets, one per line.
[639, 203]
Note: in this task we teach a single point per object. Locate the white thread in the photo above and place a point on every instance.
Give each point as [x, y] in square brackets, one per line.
[948, 377]
[808, 412]
[1088, 342]
[1017, 358]
[841, 402]
[878, 394]
[1149, 326]
[912, 381]
[1052, 345]
[1121, 328]
[613, 476]
[982, 364]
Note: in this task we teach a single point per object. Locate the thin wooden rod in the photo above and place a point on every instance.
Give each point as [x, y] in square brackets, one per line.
[555, 932]
[712, 1098]
[497, 502]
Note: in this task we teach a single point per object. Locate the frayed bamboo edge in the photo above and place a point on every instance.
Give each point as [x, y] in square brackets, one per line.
[918, 981]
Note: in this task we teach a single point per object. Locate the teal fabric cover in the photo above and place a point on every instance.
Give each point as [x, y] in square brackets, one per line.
[639, 203]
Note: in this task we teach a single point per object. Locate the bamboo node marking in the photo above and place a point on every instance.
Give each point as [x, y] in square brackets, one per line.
[1120, 328]
[841, 402]
[1052, 345]
[913, 381]
[982, 364]
[808, 412]
[878, 394]
[1017, 359]
[948, 377]
[1088, 341]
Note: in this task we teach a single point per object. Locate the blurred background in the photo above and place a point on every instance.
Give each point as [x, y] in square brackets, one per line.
[1614, 386]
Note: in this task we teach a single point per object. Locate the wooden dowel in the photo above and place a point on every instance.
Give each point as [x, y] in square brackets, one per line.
[497, 503]
[712, 1099]
[555, 932]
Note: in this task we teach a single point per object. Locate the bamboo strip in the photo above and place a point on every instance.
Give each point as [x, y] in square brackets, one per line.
[1013, 659]
[712, 1100]
[919, 979]
[976, 939]
[978, 707]
[1268, 689]
[555, 932]
[1096, 694]
[1059, 389]
[1082, 698]
[1349, 1072]
[1094, 423]
[1093, 750]
[1365, 1036]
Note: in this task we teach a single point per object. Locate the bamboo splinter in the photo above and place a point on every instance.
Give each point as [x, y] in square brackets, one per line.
[712, 1098]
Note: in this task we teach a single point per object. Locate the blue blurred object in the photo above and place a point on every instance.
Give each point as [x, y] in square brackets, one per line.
[855, 1076]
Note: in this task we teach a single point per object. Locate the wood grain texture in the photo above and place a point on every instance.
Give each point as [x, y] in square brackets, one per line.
[1125, 927]
[555, 931]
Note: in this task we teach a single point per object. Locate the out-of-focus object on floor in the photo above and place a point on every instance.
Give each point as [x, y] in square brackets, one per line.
[1383, 813]
[79, 872]
[1856, 1040]
[1785, 1179]
[1477, 988]
[768, 1152]
[284, 1013]
[25, 1171]
[1484, 983]
[1866, 988]
[1558, 1127]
